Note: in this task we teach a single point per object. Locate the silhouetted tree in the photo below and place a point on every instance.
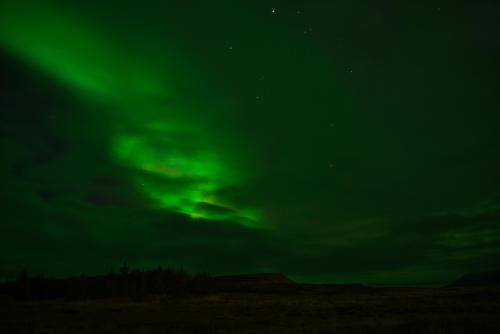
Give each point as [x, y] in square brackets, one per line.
[124, 270]
[134, 284]
[22, 286]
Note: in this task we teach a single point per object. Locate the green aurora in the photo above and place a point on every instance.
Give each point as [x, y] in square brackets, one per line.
[335, 141]
[145, 129]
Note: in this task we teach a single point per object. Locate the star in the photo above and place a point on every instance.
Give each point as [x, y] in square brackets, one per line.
[273, 11]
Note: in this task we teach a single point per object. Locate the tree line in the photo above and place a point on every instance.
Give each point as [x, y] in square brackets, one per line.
[127, 283]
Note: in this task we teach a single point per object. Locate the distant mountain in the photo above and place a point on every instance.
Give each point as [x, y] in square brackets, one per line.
[491, 278]
[263, 278]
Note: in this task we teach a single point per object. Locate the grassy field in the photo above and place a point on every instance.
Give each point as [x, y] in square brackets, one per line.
[269, 309]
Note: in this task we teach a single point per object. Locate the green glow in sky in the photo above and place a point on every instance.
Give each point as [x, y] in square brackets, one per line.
[340, 141]
[160, 140]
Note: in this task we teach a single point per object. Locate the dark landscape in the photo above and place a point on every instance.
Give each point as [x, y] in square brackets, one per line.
[258, 303]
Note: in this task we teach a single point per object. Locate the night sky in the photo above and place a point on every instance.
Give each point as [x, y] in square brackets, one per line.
[333, 141]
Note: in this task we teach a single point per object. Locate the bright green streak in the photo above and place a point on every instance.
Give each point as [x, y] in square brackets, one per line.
[174, 171]
[61, 44]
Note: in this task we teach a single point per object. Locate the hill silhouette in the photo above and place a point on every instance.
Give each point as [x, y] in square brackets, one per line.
[260, 278]
[491, 278]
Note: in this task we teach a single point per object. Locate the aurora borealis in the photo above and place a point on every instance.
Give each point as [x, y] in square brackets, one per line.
[146, 133]
[333, 141]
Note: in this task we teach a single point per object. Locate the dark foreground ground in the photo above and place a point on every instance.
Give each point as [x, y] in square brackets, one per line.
[279, 309]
